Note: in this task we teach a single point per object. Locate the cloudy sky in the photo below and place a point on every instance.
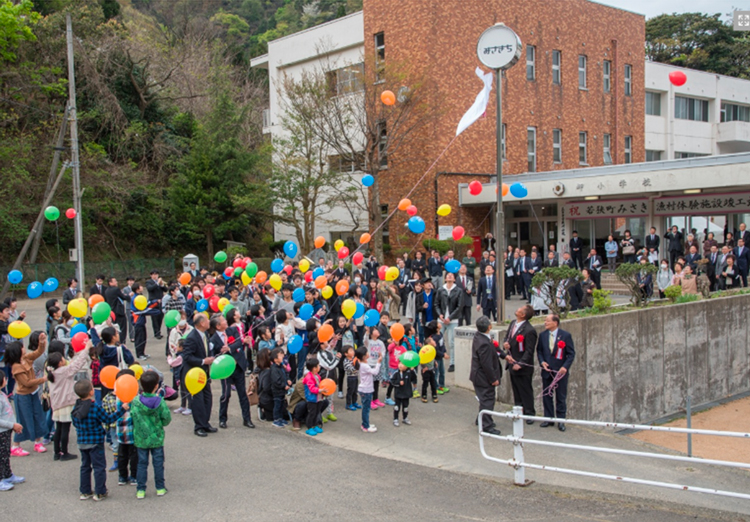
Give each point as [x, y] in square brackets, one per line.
[656, 7]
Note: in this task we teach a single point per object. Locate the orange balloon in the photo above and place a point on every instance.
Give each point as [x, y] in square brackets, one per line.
[404, 204]
[327, 387]
[325, 333]
[364, 238]
[95, 299]
[321, 282]
[108, 375]
[342, 287]
[320, 241]
[261, 277]
[388, 98]
[126, 388]
[506, 189]
[185, 278]
[397, 331]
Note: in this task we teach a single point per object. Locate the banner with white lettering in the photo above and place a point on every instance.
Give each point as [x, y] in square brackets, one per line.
[703, 204]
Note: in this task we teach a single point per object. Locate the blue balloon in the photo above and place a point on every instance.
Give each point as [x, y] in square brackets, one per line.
[318, 272]
[372, 318]
[298, 295]
[519, 190]
[306, 311]
[290, 249]
[416, 225]
[80, 327]
[34, 290]
[360, 311]
[50, 285]
[15, 277]
[295, 344]
[453, 266]
[368, 180]
[202, 305]
[277, 265]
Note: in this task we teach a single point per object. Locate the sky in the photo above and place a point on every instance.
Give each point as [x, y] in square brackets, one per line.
[652, 8]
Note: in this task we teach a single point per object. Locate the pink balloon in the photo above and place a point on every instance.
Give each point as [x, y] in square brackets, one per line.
[411, 210]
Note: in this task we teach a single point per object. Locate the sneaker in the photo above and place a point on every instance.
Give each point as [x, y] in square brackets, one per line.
[15, 479]
[122, 481]
[435, 399]
[318, 429]
[341, 395]
[132, 482]
[46, 441]
[5, 486]
[381, 404]
[424, 399]
[332, 417]
[357, 406]
[114, 467]
[325, 419]
[390, 402]
[278, 424]
[85, 496]
[39, 448]
[446, 389]
[18, 451]
[68, 456]
[407, 422]
[395, 422]
[415, 395]
[143, 358]
[98, 497]
[440, 391]
[161, 492]
[311, 432]
[371, 429]
[140, 494]
[179, 410]
[351, 407]
[187, 411]
[374, 405]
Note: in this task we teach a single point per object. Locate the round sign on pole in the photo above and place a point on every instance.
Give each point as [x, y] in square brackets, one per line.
[499, 47]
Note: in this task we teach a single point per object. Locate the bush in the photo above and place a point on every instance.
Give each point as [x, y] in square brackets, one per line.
[436, 244]
[687, 298]
[627, 274]
[673, 292]
[276, 247]
[234, 250]
[459, 247]
[550, 280]
[602, 301]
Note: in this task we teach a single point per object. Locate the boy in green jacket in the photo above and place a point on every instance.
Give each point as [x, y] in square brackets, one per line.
[150, 414]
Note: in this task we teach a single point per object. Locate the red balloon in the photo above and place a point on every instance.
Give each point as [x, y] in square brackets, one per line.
[70, 213]
[214, 303]
[79, 340]
[246, 262]
[677, 78]
[229, 271]
[381, 272]
[475, 188]
[237, 263]
[458, 233]
[208, 291]
[411, 210]
[357, 258]
[308, 276]
[288, 269]
[343, 253]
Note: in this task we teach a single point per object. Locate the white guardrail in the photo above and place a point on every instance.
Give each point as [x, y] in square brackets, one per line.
[519, 463]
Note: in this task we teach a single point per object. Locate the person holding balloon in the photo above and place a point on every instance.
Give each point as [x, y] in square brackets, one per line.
[72, 291]
[14, 314]
[403, 382]
[195, 354]
[140, 307]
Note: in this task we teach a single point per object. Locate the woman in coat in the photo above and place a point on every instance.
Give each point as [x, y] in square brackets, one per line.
[708, 243]
[611, 248]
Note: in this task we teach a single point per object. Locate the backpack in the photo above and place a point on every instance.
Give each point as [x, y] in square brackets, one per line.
[252, 389]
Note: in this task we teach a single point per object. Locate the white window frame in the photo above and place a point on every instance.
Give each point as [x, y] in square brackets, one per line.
[607, 148]
[379, 58]
[734, 112]
[628, 149]
[530, 62]
[583, 156]
[651, 153]
[556, 67]
[685, 105]
[628, 73]
[557, 146]
[655, 103]
[607, 76]
[582, 64]
[531, 148]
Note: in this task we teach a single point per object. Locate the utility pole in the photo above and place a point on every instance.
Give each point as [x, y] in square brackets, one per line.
[74, 157]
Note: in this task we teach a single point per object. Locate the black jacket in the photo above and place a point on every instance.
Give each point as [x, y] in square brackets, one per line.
[279, 380]
[194, 352]
[435, 267]
[521, 351]
[485, 365]
[453, 302]
[95, 290]
[236, 349]
[405, 391]
[265, 394]
[154, 290]
[562, 352]
[112, 296]
[576, 246]
[675, 241]
[653, 242]
[418, 265]
[482, 296]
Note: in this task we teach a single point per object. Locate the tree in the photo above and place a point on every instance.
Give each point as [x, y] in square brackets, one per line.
[627, 274]
[15, 26]
[554, 283]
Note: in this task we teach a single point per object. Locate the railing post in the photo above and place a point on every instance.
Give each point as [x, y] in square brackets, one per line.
[520, 473]
[689, 426]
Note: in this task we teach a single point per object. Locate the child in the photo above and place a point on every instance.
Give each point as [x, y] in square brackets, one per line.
[329, 361]
[88, 418]
[428, 373]
[126, 451]
[413, 344]
[402, 382]
[280, 383]
[266, 340]
[150, 414]
[28, 406]
[7, 425]
[312, 397]
[394, 351]
[175, 362]
[351, 368]
[366, 385]
[433, 330]
[375, 350]
[297, 405]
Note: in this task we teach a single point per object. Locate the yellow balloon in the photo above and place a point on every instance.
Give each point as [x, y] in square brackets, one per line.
[137, 369]
[327, 292]
[444, 210]
[246, 279]
[275, 282]
[392, 273]
[348, 308]
[427, 354]
[338, 244]
[222, 303]
[304, 265]
[77, 308]
[195, 380]
[140, 302]
[18, 329]
[208, 316]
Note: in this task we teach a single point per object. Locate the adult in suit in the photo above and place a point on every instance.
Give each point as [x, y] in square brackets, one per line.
[551, 261]
[568, 261]
[435, 269]
[575, 293]
[555, 352]
[450, 300]
[709, 243]
[742, 234]
[520, 343]
[487, 293]
[535, 265]
[721, 262]
[194, 273]
[674, 244]
[692, 259]
[508, 274]
[195, 354]
[483, 262]
[156, 289]
[653, 241]
[522, 268]
[116, 300]
[466, 284]
[98, 288]
[594, 264]
[645, 280]
[404, 289]
[488, 243]
[228, 340]
[485, 373]
[730, 274]
[742, 253]
[576, 250]
[712, 266]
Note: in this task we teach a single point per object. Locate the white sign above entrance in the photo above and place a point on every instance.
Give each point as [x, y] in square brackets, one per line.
[703, 204]
[606, 209]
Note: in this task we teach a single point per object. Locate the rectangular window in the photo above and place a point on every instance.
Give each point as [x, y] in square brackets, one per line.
[556, 64]
[607, 75]
[530, 62]
[653, 103]
[734, 112]
[690, 109]
[380, 56]
[383, 145]
[384, 217]
[502, 141]
[346, 80]
[653, 155]
[686, 155]
[531, 148]
[628, 80]
[556, 145]
[582, 153]
[607, 145]
[628, 149]
[581, 71]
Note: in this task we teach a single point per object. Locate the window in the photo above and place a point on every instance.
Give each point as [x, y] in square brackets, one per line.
[582, 154]
[653, 155]
[628, 80]
[628, 149]
[690, 109]
[581, 72]
[346, 80]
[606, 73]
[531, 148]
[607, 145]
[383, 145]
[530, 62]
[502, 142]
[556, 63]
[385, 220]
[686, 155]
[380, 56]
[338, 164]
[556, 146]
[734, 112]
[653, 103]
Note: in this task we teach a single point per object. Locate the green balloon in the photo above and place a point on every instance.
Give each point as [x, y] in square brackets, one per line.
[222, 367]
[172, 318]
[52, 213]
[251, 269]
[238, 271]
[220, 257]
[100, 313]
[228, 308]
[410, 359]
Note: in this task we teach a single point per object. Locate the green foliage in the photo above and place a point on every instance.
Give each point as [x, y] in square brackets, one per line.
[553, 281]
[15, 27]
[602, 301]
[459, 247]
[234, 250]
[687, 298]
[627, 273]
[110, 8]
[672, 292]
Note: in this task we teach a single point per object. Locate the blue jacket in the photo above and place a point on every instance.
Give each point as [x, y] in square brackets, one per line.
[611, 248]
[109, 356]
[139, 316]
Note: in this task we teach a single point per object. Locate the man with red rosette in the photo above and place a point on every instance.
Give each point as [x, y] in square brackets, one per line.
[556, 352]
[520, 342]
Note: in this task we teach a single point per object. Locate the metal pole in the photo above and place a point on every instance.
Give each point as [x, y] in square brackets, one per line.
[689, 425]
[500, 216]
[520, 473]
[75, 161]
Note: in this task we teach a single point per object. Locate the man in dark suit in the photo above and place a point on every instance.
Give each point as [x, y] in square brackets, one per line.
[98, 288]
[485, 372]
[712, 266]
[404, 274]
[575, 293]
[742, 234]
[576, 250]
[594, 264]
[228, 340]
[644, 280]
[567, 260]
[487, 293]
[534, 266]
[522, 270]
[692, 259]
[115, 298]
[551, 261]
[652, 241]
[156, 289]
[509, 275]
[674, 245]
[466, 284]
[519, 345]
[194, 273]
[556, 353]
[195, 355]
[742, 253]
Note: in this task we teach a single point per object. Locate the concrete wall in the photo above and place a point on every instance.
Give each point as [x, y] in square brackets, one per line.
[639, 366]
